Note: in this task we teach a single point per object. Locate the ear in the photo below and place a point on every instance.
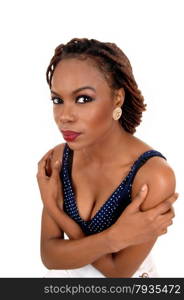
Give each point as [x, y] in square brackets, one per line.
[119, 97]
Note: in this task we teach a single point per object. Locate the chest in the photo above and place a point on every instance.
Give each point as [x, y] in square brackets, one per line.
[93, 186]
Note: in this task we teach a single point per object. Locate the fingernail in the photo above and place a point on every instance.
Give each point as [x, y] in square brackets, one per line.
[57, 162]
[144, 187]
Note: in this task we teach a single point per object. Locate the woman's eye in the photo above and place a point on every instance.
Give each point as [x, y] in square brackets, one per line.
[84, 99]
[80, 99]
[56, 100]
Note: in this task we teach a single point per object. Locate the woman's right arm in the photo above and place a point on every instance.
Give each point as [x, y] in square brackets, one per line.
[58, 253]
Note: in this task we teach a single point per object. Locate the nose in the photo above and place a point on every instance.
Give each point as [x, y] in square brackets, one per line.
[66, 114]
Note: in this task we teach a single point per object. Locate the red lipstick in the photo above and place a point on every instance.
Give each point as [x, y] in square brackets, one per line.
[70, 136]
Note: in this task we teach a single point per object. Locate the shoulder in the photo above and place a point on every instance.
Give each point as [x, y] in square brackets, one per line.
[58, 150]
[160, 178]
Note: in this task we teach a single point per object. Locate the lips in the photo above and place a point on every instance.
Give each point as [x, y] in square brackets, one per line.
[70, 135]
[69, 132]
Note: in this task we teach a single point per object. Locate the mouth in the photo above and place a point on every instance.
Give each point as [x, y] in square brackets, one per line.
[70, 136]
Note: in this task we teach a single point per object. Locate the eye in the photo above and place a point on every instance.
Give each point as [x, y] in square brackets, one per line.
[56, 100]
[84, 99]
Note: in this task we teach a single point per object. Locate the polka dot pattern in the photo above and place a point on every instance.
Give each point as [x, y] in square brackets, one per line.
[115, 204]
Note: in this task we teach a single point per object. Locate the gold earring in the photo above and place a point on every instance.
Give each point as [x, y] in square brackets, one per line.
[117, 112]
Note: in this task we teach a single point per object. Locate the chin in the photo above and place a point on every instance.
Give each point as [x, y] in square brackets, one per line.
[75, 146]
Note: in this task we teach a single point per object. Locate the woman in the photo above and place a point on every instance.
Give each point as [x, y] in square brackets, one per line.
[106, 194]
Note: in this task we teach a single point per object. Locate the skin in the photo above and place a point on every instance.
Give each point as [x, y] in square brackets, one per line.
[103, 155]
[57, 253]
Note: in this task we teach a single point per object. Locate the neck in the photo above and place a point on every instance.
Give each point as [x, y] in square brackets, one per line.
[108, 148]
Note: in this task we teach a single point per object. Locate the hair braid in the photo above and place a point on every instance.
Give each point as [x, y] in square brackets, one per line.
[116, 68]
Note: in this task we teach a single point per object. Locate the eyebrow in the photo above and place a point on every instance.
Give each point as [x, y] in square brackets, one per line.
[78, 90]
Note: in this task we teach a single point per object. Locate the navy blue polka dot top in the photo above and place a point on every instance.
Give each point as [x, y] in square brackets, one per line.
[115, 204]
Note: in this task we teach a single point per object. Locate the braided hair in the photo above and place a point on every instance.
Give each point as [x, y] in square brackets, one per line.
[116, 68]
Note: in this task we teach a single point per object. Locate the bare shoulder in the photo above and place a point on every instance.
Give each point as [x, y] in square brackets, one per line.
[157, 174]
[58, 150]
[160, 178]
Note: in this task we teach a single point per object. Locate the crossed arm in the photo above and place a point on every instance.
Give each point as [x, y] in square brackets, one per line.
[78, 252]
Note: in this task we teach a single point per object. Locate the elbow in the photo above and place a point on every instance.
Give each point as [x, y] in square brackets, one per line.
[46, 263]
[47, 255]
[50, 258]
[46, 260]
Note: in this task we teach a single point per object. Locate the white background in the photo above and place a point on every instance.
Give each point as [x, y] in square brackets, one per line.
[151, 34]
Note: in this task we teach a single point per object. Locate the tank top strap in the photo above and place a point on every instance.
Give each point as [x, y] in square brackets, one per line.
[141, 161]
[66, 161]
[68, 158]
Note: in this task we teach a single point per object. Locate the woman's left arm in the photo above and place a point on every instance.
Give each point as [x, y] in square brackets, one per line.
[160, 179]
[125, 262]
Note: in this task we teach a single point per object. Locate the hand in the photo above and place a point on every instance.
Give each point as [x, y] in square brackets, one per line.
[49, 181]
[135, 226]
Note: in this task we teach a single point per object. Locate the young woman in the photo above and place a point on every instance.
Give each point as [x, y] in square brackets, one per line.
[106, 194]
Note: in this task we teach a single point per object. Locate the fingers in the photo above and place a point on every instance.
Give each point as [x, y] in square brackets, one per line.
[167, 217]
[139, 198]
[41, 169]
[173, 198]
[56, 169]
[163, 207]
[163, 231]
[48, 169]
[163, 221]
[173, 211]
[43, 165]
[164, 228]
[170, 223]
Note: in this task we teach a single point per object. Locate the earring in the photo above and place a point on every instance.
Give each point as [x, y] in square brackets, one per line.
[117, 112]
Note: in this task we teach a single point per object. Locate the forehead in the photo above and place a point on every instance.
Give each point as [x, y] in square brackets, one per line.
[73, 73]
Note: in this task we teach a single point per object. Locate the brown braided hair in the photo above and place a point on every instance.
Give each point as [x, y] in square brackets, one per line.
[115, 66]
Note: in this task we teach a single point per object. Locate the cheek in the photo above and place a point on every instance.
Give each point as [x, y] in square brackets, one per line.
[56, 114]
[92, 117]
[98, 116]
